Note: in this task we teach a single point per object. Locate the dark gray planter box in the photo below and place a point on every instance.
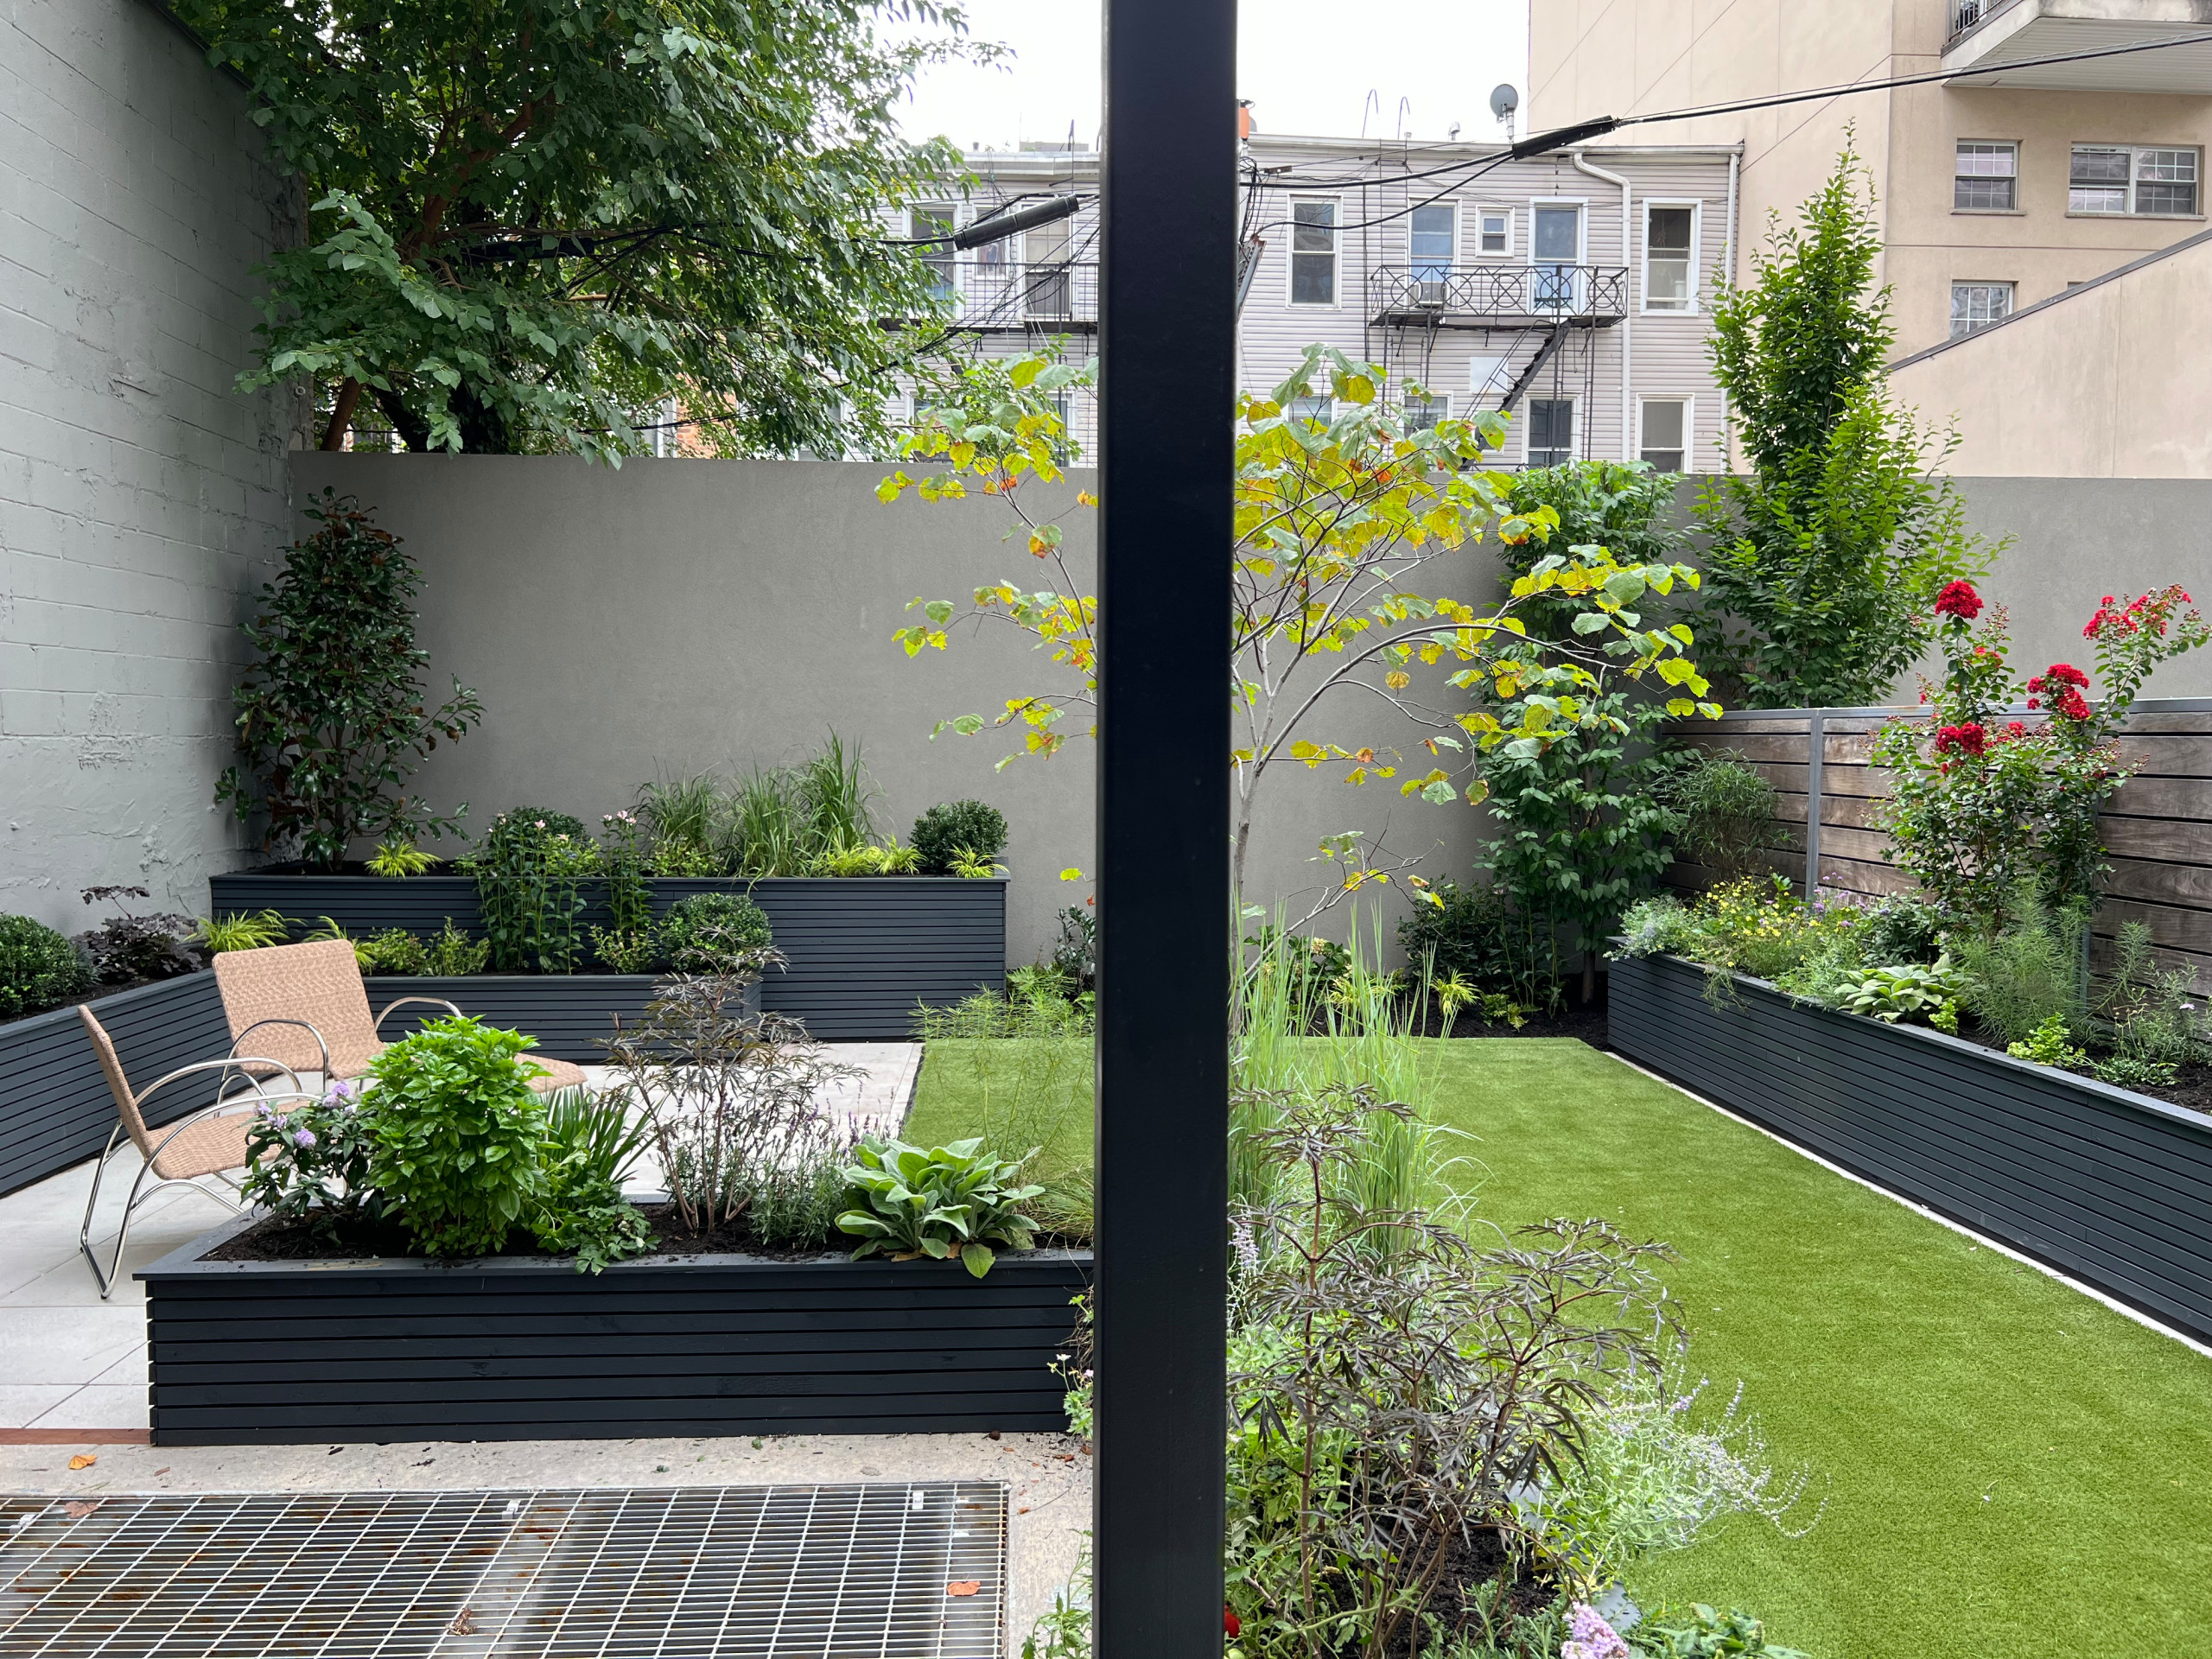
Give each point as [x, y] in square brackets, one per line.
[55, 1107]
[863, 951]
[2111, 1186]
[568, 1014]
[282, 1353]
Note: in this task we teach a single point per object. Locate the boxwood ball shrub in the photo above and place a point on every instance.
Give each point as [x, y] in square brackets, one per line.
[38, 968]
[715, 933]
[973, 827]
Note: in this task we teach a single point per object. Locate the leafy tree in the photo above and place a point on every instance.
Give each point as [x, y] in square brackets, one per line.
[1825, 559]
[1333, 526]
[1581, 828]
[331, 718]
[531, 221]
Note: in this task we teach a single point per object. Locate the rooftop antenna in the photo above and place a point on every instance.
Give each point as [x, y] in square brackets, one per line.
[1453, 135]
[1405, 118]
[1374, 105]
[1503, 100]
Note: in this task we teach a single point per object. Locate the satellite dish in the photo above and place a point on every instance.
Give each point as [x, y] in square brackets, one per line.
[1503, 100]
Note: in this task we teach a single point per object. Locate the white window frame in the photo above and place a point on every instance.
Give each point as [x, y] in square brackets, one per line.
[2011, 305]
[2134, 153]
[1292, 255]
[1477, 209]
[1441, 399]
[950, 254]
[2012, 144]
[1581, 205]
[1326, 415]
[1525, 421]
[1696, 301]
[1690, 423]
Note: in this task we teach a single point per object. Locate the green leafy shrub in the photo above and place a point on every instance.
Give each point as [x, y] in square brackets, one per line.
[686, 860]
[874, 859]
[38, 968]
[952, 1200]
[1725, 812]
[1075, 954]
[1476, 932]
[450, 953]
[529, 869]
[331, 720]
[2131, 1071]
[1901, 927]
[972, 827]
[458, 1136]
[2152, 1016]
[394, 951]
[1698, 1631]
[2049, 1044]
[217, 934]
[2030, 972]
[715, 933]
[588, 1146]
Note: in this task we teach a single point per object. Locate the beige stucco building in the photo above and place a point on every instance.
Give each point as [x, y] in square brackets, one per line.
[1993, 193]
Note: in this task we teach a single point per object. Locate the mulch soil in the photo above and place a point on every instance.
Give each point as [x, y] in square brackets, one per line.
[96, 992]
[2192, 1087]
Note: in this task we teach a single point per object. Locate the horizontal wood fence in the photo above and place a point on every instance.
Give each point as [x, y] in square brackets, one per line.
[1827, 829]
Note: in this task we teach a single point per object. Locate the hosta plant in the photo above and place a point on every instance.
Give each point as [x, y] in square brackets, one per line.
[952, 1200]
[1912, 991]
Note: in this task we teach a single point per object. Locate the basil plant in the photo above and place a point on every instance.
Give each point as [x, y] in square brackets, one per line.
[956, 1200]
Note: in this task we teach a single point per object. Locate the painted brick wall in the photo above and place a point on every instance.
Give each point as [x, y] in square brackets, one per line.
[141, 499]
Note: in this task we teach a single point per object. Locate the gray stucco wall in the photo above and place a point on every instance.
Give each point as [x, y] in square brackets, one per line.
[141, 499]
[2077, 539]
[681, 615]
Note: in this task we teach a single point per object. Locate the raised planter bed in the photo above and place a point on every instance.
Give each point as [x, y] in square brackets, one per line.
[55, 1107]
[518, 1348]
[863, 951]
[568, 1014]
[2111, 1186]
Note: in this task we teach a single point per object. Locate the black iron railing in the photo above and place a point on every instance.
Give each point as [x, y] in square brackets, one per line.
[1016, 293]
[1967, 14]
[1539, 291]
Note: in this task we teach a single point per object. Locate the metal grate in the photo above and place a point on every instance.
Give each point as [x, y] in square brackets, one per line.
[687, 1572]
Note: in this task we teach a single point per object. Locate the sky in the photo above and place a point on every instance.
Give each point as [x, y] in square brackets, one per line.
[1307, 65]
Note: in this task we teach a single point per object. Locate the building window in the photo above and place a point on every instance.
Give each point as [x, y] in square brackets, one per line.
[1670, 258]
[1557, 250]
[1974, 306]
[1314, 253]
[1044, 290]
[937, 222]
[1551, 431]
[1431, 243]
[1422, 413]
[2125, 179]
[1665, 429]
[1494, 232]
[1986, 179]
[1314, 411]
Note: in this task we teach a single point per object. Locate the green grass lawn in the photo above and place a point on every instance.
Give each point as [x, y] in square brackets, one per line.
[2013, 1470]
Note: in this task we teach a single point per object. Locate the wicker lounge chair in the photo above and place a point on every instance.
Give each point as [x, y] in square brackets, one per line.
[203, 1146]
[307, 1006]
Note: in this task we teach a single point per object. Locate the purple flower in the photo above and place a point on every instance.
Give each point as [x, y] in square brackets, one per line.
[1590, 1637]
[303, 1138]
[341, 1094]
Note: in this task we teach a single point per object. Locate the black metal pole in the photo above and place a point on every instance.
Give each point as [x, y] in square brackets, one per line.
[1167, 325]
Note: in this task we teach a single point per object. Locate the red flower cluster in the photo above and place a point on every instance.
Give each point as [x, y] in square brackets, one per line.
[1968, 739]
[2150, 608]
[1959, 599]
[2061, 685]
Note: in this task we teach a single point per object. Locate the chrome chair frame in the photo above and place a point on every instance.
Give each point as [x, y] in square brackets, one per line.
[139, 1190]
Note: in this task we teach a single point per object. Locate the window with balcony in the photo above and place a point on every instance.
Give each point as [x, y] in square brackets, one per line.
[1044, 286]
[1664, 428]
[1986, 177]
[1421, 414]
[1494, 232]
[2129, 179]
[934, 222]
[1551, 431]
[1555, 247]
[1975, 306]
[1314, 253]
[1433, 237]
[1670, 257]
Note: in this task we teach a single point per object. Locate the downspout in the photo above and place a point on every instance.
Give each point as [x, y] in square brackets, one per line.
[1628, 306]
[1728, 276]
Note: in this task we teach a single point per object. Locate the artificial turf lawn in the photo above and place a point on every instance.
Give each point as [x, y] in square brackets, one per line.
[2013, 1470]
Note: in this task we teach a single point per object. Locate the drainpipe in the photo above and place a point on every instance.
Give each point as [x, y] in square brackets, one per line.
[1728, 276]
[1628, 311]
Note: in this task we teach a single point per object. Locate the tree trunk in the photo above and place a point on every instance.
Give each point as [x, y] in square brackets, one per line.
[414, 431]
[342, 414]
[483, 428]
